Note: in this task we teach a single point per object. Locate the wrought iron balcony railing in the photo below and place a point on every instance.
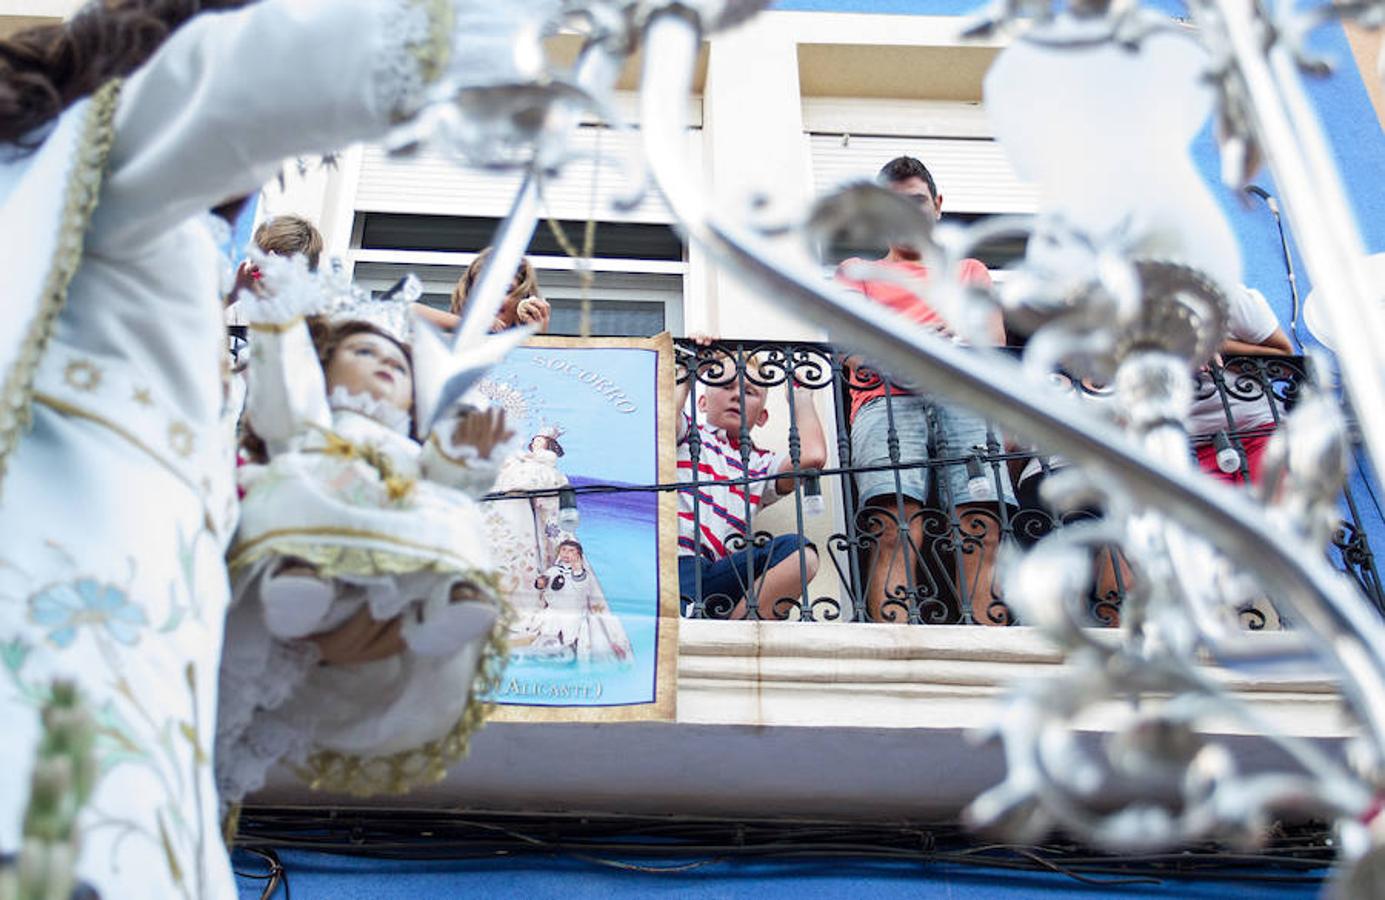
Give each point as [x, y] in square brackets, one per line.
[934, 562]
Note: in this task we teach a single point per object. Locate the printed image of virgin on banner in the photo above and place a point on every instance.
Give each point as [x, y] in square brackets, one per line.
[586, 551]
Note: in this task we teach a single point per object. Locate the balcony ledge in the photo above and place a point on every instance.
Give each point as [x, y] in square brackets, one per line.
[813, 720]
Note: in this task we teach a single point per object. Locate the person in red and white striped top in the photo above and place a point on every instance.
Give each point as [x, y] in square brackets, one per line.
[732, 479]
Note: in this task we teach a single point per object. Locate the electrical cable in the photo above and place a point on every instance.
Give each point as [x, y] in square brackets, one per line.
[276, 876]
[1273, 206]
[1362, 467]
[1300, 855]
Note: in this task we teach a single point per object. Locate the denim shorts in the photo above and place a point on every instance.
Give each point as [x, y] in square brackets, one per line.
[727, 576]
[959, 431]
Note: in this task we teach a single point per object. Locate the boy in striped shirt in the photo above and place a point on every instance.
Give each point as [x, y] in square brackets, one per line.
[732, 480]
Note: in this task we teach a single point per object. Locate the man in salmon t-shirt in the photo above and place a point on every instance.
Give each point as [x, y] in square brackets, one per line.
[894, 498]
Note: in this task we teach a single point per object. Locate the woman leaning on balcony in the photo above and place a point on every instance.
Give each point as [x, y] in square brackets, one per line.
[523, 304]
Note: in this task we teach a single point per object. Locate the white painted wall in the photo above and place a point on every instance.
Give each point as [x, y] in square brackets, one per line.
[830, 721]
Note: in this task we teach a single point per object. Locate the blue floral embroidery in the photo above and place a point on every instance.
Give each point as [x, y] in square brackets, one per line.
[63, 608]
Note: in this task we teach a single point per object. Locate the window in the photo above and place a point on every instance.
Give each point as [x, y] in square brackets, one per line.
[623, 303]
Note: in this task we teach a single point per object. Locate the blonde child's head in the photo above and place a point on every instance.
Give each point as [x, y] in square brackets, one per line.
[724, 407]
[290, 235]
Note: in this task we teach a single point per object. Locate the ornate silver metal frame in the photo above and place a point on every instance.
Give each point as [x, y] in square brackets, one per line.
[1141, 320]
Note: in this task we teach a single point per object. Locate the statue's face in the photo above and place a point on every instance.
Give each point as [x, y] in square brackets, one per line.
[366, 363]
[569, 554]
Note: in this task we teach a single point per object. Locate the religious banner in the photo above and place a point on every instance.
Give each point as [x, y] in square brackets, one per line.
[586, 551]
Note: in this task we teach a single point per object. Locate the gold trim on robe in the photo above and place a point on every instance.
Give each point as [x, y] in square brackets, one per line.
[79, 201]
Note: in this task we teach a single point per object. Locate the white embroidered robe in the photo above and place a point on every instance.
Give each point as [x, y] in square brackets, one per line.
[118, 502]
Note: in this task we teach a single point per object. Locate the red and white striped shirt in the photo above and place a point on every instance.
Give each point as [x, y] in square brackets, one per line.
[722, 509]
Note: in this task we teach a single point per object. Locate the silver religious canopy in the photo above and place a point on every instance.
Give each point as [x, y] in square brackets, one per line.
[1126, 281]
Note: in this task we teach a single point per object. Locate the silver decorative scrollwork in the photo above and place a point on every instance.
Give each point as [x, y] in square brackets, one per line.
[1124, 286]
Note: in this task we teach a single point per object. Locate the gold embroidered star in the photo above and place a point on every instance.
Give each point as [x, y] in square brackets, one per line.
[181, 439]
[142, 397]
[398, 488]
[377, 459]
[338, 446]
[82, 374]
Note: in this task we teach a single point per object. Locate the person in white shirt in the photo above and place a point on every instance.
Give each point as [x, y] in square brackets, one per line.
[1245, 409]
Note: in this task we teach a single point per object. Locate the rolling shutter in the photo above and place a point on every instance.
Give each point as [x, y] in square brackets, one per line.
[972, 173]
[432, 183]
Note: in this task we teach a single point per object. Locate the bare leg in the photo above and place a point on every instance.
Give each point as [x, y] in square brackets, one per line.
[1110, 588]
[892, 561]
[980, 524]
[780, 582]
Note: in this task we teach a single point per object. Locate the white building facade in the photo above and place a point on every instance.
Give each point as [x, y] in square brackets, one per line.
[874, 718]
